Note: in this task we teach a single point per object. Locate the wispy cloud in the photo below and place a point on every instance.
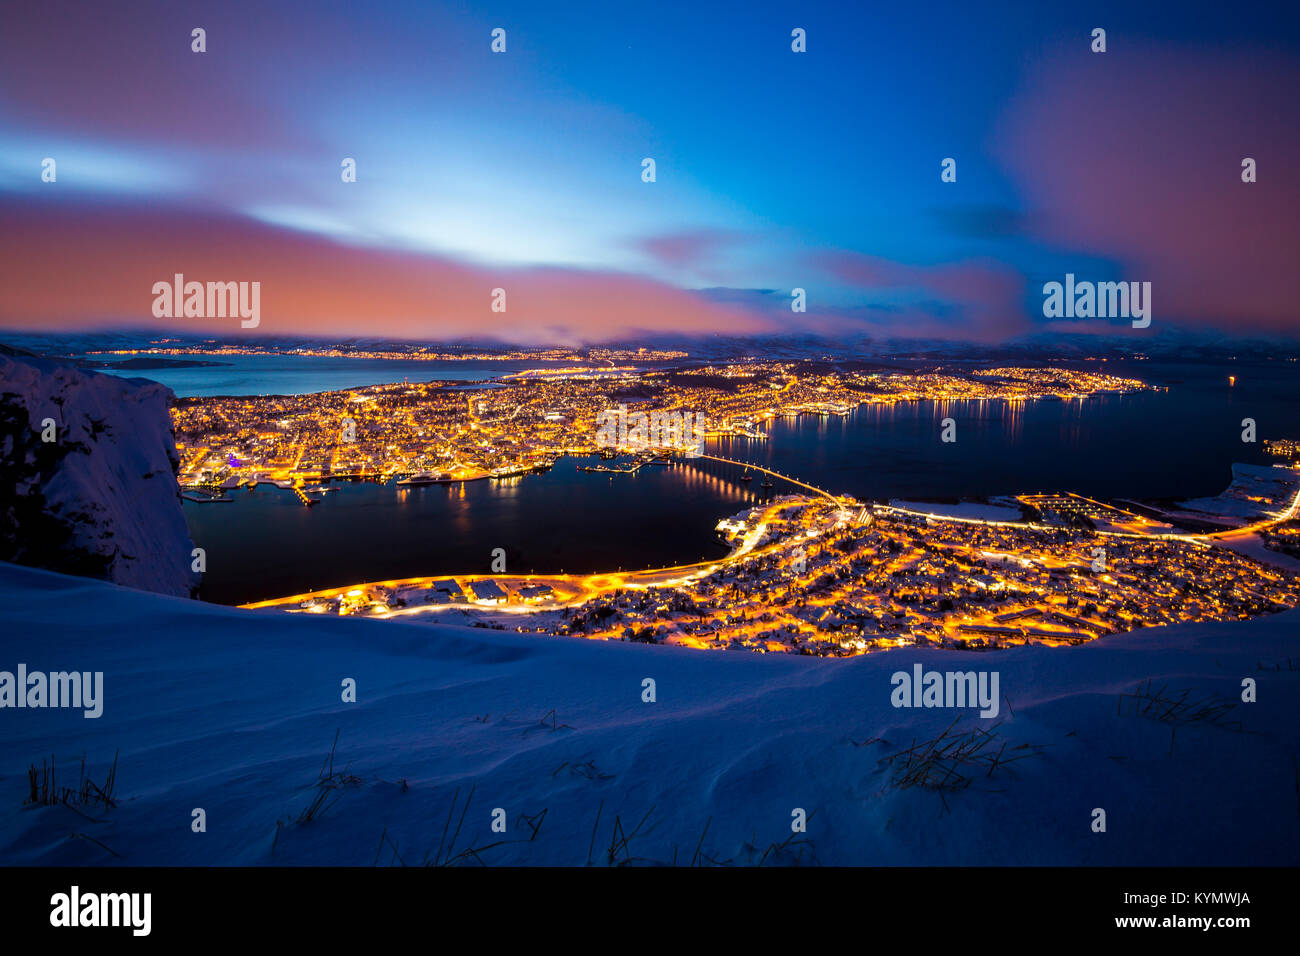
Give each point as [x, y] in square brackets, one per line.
[979, 301]
[77, 266]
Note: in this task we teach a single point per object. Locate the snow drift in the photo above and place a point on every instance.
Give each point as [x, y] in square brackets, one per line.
[235, 713]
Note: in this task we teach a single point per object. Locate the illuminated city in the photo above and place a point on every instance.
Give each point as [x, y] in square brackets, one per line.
[525, 422]
[553, 437]
[830, 576]
[823, 575]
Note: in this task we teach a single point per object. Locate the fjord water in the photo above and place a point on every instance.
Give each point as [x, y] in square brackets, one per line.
[1179, 443]
[304, 374]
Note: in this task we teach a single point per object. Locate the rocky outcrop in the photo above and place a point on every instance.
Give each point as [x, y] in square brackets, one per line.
[88, 476]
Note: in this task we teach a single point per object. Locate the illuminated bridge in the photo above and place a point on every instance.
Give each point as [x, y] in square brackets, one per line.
[775, 474]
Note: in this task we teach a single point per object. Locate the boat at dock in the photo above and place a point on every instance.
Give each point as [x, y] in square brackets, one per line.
[204, 499]
[444, 477]
[422, 478]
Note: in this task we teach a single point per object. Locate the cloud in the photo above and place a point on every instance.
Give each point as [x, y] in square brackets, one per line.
[704, 256]
[1135, 155]
[687, 250]
[76, 266]
[977, 301]
[89, 68]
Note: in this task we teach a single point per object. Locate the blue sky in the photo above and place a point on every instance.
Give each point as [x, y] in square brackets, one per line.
[770, 164]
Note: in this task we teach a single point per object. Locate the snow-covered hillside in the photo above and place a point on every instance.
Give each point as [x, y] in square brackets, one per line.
[101, 499]
[235, 712]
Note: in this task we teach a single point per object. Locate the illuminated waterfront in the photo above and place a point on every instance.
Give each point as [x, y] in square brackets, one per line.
[1150, 444]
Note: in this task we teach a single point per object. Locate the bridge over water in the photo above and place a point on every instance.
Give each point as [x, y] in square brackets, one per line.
[775, 474]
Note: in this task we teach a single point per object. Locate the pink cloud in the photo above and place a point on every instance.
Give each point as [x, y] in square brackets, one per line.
[985, 297]
[94, 69]
[78, 267]
[686, 250]
[1136, 155]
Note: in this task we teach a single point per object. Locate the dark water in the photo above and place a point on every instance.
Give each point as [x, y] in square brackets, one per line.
[1145, 445]
[267, 544]
[304, 374]
[1178, 443]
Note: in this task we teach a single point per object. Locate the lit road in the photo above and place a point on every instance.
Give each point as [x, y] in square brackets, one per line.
[579, 588]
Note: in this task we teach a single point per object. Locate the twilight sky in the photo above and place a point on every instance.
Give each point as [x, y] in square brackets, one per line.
[775, 169]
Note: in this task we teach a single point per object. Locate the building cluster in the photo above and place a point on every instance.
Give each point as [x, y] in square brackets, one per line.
[1283, 447]
[1283, 538]
[812, 575]
[1053, 383]
[831, 577]
[383, 599]
[416, 353]
[512, 425]
[813, 582]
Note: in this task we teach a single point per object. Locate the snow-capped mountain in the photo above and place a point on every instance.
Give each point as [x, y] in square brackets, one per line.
[88, 476]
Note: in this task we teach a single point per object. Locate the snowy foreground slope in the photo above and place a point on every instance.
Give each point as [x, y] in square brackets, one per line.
[102, 499]
[236, 711]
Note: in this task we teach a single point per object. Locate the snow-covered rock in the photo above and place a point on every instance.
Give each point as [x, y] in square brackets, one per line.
[100, 500]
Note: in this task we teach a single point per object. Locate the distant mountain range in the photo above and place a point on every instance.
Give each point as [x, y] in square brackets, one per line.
[1170, 345]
